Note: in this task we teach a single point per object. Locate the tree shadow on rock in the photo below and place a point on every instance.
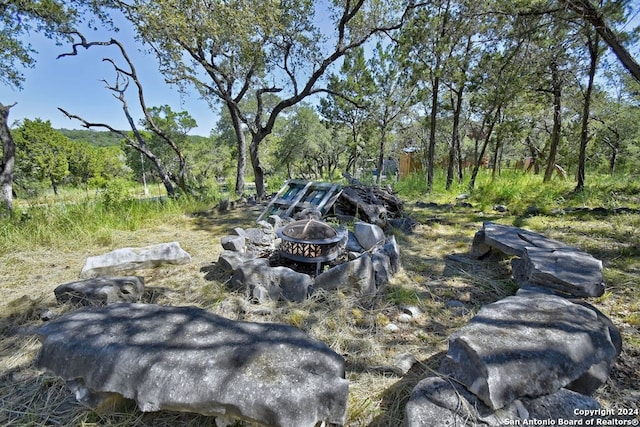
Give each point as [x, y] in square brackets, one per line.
[395, 398]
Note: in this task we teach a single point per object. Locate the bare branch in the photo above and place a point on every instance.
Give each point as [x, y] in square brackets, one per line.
[89, 125]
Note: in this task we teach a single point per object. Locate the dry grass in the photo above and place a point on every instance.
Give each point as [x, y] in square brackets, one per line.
[434, 273]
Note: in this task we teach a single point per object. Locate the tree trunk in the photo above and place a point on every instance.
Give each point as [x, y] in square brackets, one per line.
[557, 122]
[584, 132]
[431, 150]
[615, 148]
[8, 159]
[496, 157]
[383, 137]
[455, 140]
[612, 160]
[241, 142]
[258, 170]
[476, 167]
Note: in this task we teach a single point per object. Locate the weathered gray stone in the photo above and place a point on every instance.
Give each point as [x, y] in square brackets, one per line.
[386, 261]
[527, 346]
[101, 290]
[129, 259]
[566, 270]
[233, 243]
[231, 260]
[352, 244]
[478, 247]
[392, 249]
[242, 275]
[436, 401]
[187, 359]
[239, 231]
[368, 235]
[259, 237]
[280, 283]
[357, 274]
[382, 268]
[513, 240]
[412, 310]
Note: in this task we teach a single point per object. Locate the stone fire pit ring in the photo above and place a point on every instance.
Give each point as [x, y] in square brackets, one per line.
[310, 241]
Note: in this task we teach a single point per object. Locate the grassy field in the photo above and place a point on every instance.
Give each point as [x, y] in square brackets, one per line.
[47, 245]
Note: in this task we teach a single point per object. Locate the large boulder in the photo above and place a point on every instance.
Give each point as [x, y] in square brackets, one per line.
[528, 346]
[130, 259]
[262, 282]
[542, 262]
[187, 359]
[101, 290]
[357, 274]
[386, 261]
[509, 240]
[231, 260]
[368, 235]
[565, 270]
[437, 401]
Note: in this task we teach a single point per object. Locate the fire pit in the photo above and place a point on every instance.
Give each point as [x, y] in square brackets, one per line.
[310, 241]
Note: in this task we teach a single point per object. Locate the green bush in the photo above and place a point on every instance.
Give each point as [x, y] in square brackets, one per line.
[114, 194]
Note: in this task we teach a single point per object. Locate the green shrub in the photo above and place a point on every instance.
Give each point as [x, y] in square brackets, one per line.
[114, 194]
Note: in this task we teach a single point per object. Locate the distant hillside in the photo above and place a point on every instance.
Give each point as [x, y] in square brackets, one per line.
[106, 138]
[97, 138]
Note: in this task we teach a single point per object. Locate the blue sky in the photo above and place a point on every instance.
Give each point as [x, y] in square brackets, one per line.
[75, 84]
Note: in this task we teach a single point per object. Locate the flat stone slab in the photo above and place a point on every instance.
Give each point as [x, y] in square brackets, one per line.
[101, 290]
[528, 346]
[510, 240]
[187, 359]
[436, 401]
[566, 270]
[130, 259]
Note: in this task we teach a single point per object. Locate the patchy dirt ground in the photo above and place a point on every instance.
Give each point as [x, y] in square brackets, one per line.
[352, 326]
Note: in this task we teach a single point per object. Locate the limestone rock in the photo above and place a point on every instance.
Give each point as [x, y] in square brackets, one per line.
[438, 401]
[279, 283]
[386, 261]
[566, 270]
[513, 240]
[352, 244]
[187, 359]
[368, 235]
[233, 243]
[243, 273]
[357, 274]
[231, 260]
[129, 259]
[478, 247]
[527, 346]
[259, 238]
[101, 290]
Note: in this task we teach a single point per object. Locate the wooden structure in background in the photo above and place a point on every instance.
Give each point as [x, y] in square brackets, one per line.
[410, 162]
[297, 195]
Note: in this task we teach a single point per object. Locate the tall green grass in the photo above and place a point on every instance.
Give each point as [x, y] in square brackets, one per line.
[518, 191]
[90, 222]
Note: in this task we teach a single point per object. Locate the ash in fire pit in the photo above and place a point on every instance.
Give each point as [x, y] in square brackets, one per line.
[310, 241]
